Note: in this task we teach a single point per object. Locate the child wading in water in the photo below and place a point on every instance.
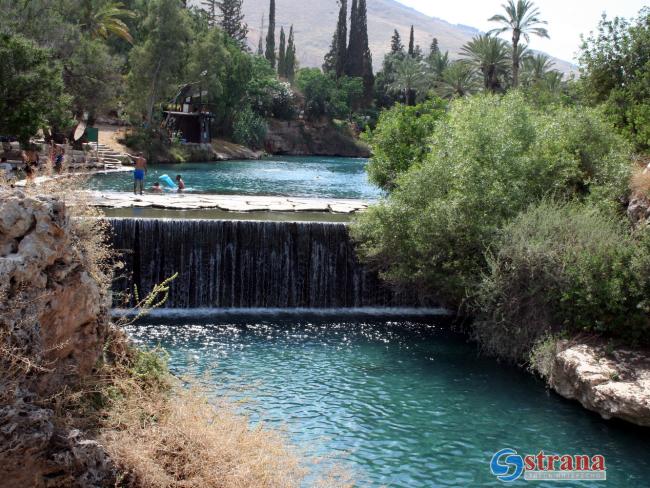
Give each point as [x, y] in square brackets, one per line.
[180, 183]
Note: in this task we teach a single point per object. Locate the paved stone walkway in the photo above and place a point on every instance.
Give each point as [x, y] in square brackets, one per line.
[231, 203]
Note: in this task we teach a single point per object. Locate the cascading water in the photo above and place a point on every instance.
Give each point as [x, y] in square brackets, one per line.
[249, 264]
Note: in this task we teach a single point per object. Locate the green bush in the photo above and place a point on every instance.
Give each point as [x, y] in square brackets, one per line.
[490, 159]
[325, 96]
[249, 129]
[564, 268]
[401, 140]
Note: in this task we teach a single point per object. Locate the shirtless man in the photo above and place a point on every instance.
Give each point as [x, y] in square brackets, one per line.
[140, 172]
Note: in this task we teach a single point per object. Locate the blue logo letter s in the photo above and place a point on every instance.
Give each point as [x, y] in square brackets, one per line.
[500, 468]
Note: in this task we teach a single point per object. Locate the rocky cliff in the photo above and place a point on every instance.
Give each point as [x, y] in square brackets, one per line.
[614, 384]
[303, 138]
[53, 327]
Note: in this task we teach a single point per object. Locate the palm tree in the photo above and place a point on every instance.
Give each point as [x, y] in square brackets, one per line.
[491, 56]
[106, 19]
[522, 19]
[536, 67]
[438, 63]
[410, 78]
[458, 80]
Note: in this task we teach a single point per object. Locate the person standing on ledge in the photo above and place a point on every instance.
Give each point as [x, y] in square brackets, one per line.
[139, 173]
[180, 183]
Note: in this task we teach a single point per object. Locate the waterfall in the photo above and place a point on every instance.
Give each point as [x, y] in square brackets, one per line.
[248, 264]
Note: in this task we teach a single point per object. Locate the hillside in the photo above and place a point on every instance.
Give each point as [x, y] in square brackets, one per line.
[314, 22]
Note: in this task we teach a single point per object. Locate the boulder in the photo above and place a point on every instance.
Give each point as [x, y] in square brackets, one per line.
[615, 385]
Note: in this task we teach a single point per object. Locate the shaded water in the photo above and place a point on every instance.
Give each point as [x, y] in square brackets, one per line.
[288, 176]
[238, 264]
[402, 403]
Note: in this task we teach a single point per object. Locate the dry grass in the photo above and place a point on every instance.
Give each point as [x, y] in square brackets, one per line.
[183, 441]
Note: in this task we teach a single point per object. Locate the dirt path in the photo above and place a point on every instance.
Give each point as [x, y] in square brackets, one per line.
[109, 135]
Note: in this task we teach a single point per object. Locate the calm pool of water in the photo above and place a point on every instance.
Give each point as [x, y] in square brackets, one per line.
[402, 404]
[290, 176]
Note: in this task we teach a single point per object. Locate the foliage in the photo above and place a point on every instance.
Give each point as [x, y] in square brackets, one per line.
[31, 88]
[157, 64]
[458, 80]
[220, 66]
[102, 19]
[325, 96]
[615, 67]
[489, 159]
[560, 268]
[401, 140]
[249, 129]
[410, 79]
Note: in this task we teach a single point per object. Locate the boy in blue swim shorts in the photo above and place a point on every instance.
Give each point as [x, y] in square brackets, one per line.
[139, 173]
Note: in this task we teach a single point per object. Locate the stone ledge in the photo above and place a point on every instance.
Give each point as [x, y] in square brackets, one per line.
[615, 385]
[230, 203]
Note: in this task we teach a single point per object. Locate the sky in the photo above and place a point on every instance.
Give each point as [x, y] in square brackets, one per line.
[567, 19]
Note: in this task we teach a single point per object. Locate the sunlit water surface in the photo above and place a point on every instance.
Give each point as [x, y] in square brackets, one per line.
[401, 404]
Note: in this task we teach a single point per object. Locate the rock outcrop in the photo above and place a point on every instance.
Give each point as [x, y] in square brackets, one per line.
[615, 385]
[303, 138]
[54, 321]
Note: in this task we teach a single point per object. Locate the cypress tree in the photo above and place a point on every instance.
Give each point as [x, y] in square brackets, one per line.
[342, 39]
[335, 59]
[260, 46]
[412, 42]
[396, 45]
[231, 20]
[354, 58]
[282, 55]
[270, 36]
[435, 49]
[366, 57]
[290, 61]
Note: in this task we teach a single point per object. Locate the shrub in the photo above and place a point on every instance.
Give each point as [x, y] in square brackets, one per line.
[249, 129]
[401, 140]
[490, 159]
[563, 268]
[325, 96]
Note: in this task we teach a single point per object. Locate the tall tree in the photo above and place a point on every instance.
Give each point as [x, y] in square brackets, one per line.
[260, 45]
[354, 57]
[270, 36]
[412, 42]
[490, 55]
[211, 7]
[282, 54]
[290, 62]
[231, 20]
[396, 45]
[335, 59]
[522, 19]
[458, 80]
[367, 73]
[435, 48]
[157, 64]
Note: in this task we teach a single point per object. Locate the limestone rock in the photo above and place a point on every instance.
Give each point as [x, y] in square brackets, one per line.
[55, 315]
[615, 386]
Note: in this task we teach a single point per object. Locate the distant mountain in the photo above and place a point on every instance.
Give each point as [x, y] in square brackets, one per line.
[314, 22]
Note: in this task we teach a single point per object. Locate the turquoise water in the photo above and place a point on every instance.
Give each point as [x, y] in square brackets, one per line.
[401, 404]
[290, 176]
